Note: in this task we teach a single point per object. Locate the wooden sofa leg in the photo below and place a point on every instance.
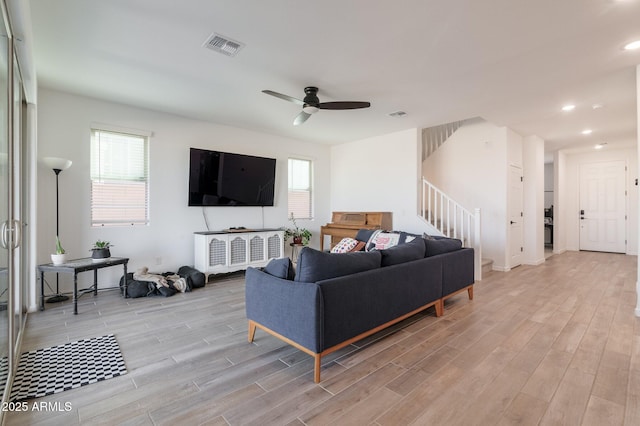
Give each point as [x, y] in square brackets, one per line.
[316, 368]
[470, 291]
[439, 307]
[252, 331]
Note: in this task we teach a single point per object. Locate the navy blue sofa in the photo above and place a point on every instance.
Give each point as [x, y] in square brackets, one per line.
[337, 299]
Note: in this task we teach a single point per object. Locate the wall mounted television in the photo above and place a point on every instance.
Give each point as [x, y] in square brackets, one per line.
[226, 179]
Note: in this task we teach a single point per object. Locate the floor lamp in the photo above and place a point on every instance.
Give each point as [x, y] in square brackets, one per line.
[58, 165]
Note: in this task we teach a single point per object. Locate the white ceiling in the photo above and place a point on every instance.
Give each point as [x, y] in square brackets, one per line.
[513, 63]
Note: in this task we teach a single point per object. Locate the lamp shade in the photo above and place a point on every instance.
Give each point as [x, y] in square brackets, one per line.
[56, 163]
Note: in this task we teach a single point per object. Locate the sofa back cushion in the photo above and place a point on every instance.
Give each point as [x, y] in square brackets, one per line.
[314, 265]
[441, 245]
[365, 234]
[413, 250]
[281, 268]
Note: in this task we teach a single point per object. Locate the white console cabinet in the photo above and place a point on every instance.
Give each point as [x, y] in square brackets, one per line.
[220, 252]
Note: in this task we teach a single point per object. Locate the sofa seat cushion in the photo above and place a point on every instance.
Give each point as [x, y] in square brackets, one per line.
[413, 250]
[280, 268]
[441, 245]
[314, 265]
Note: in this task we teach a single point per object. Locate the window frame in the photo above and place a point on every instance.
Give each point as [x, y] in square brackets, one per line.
[95, 131]
[309, 190]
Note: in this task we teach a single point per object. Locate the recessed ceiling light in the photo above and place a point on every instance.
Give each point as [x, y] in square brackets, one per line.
[569, 107]
[596, 106]
[600, 145]
[633, 45]
[587, 131]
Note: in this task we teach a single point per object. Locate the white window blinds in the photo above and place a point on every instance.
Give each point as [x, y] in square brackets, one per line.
[300, 189]
[119, 179]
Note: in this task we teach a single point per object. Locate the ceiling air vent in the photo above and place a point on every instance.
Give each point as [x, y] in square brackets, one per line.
[397, 114]
[222, 44]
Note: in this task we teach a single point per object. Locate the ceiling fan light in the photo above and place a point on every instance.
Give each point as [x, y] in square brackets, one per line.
[634, 45]
[310, 109]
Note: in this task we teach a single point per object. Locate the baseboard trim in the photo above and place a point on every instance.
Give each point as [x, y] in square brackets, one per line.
[501, 268]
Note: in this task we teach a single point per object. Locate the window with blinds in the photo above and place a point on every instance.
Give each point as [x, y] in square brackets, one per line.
[300, 189]
[119, 179]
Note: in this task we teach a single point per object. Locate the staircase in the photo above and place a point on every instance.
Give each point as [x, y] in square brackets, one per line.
[452, 220]
[434, 137]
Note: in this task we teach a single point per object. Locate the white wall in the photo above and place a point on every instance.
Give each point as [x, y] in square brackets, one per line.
[64, 123]
[534, 181]
[514, 147]
[548, 185]
[637, 206]
[472, 167]
[559, 205]
[571, 198]
[379, 174]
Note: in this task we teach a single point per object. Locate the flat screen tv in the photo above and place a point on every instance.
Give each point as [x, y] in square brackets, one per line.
[227, 179]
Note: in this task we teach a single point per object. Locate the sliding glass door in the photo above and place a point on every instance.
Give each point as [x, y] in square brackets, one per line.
[6, 251]
[14, 181]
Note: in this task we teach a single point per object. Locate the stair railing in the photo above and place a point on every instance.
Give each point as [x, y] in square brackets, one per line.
[453, 220]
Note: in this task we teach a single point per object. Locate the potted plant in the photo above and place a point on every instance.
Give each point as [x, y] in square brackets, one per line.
[297, 234]
[59, 257]
[100, 250]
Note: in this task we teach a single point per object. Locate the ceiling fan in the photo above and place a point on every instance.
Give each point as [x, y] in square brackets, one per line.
[311, 104]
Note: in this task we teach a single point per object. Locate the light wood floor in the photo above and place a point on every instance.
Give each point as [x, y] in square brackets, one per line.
[551, 345]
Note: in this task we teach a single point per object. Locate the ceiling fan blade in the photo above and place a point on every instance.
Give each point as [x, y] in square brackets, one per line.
[284, 97]
[344, 105]
[301, 118]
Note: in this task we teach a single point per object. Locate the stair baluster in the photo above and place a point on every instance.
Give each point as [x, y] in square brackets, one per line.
[435, 204]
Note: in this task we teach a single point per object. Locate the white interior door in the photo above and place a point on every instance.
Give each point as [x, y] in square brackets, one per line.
[603, 206]
[515, 201]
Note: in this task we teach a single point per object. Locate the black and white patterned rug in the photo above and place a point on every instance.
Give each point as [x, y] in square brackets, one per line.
[72, 365]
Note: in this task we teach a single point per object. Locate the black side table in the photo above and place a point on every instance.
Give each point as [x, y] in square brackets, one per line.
[81, 265]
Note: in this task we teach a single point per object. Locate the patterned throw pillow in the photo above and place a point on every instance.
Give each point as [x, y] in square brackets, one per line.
[383, 240]
[345, 245]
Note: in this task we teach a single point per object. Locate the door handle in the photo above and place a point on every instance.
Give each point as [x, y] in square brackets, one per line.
[17, 233]
[7, 230]
[512, 222]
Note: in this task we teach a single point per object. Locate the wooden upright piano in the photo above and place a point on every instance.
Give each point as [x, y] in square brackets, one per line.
[347, 224]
